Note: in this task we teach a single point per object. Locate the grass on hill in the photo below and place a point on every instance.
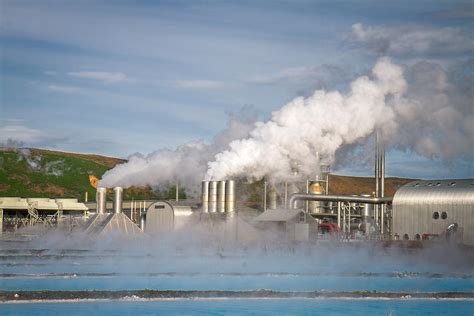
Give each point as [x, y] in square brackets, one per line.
[46, 173]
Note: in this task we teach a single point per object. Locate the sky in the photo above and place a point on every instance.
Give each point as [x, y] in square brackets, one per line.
[117, 78]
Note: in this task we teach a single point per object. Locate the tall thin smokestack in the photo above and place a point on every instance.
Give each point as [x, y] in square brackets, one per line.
[101, 199]
[221, 196]
[212, 196]
[118, 200]
[230, 196]
[205, 196]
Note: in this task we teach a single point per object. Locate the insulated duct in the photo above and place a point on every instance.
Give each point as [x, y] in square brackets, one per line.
[337, 198]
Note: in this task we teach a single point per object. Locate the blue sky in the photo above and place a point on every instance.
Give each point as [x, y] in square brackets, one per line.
[120, 77]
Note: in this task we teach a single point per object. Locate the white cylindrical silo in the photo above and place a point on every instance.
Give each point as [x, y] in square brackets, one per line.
[205, 196]
[230, 196]
[221, 196]
[212, 196]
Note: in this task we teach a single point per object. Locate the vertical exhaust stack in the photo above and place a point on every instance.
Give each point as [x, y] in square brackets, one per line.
[230, 196]
[272, 197]
[221, 196]
[205, 196]
[212, 196]
[118, 200]
[100, 199]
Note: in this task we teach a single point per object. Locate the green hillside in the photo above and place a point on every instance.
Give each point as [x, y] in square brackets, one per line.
[45, 173]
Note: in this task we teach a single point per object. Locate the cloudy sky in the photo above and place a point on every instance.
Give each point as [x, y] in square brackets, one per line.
[121, 77]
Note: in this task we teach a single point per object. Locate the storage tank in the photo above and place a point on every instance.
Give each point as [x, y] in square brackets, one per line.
[315, 206]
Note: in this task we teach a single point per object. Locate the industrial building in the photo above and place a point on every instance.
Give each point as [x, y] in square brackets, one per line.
[16, 212]
[425, 209]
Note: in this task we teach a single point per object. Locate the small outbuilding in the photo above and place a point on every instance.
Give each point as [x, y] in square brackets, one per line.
[163, 216]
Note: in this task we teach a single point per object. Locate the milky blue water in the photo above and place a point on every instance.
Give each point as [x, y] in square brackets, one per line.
[286, 270]
[247, 307]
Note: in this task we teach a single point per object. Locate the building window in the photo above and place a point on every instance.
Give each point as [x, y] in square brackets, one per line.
[435, 215]
[444, 215]
[417, 237]
[406, 237]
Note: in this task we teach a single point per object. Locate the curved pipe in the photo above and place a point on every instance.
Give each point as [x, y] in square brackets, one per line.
[337, 198]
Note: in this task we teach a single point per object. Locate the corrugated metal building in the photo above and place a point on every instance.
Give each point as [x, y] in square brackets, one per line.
[426, 208]
[163, 216]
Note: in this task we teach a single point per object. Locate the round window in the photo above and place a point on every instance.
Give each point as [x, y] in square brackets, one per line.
[444, 215]
[405, 237]
[417, 237]
[435, 215]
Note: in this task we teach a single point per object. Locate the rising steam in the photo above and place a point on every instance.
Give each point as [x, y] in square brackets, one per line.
[416, 108]
[309, 130]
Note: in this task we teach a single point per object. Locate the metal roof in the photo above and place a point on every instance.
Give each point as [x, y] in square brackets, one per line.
[279, 215]
[71, 205]
[436, 192]
[16, 203]
[13, 203]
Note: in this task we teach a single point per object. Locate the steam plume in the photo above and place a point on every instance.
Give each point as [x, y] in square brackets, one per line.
[416, 107]
[423, 117]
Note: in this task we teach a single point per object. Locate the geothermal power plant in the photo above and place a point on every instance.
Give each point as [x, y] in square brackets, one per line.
[423, 210]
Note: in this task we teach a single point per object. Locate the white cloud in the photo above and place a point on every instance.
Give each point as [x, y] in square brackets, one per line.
[413, 39]
[64, 89]
[107, 77]
[198, 84]
[296, 74]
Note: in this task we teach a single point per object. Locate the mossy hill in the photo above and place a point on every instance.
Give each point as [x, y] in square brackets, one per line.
[32, 172]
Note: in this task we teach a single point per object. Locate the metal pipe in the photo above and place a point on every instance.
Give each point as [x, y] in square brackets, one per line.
[339, 214]
[118, 200]
[264, 196]
[272, 197]
[101, 200]
[205, 196]
[327, 183]
[230, 196]
[382, 188]
[177, 191]
[221, 197]
[307, 191]
[337, 198]
[143, 221]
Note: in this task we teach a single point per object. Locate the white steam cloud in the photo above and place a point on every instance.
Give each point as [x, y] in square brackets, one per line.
[186, 164]
[416, 108]
[424, 117]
